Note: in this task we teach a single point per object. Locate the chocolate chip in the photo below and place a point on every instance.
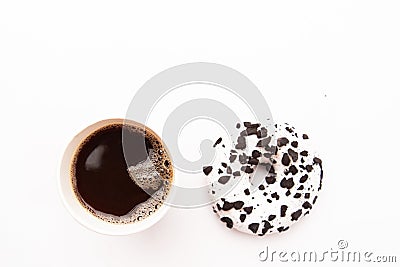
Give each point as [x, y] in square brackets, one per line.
[275, 195]
[224, 164]
[253, 161]
[250, 125]
[270, 169]
[207, 170]
[232, 158]
[307, 195]
[266, 227]
[285, 160]
[243, 158]
[254, 227]
[304, 153]
[293, 170]
[228, 221]
[267, 155]
[261, 187]
[242, 217]
[237, 125]
[305, 136]
[295, 215]
[241, 143]
[272, 149]
[251, 131]
[248, 210]
[307, 205]
[283, 210]
[223, 179]
[217, 142]
[295, 144]
[271, 217]
[282, 228]
[227, 206]
[287, 183]
[270, 180]
[297, 195]
[290, 130]
[282, 141]
[243, 133]
[293, 154]
[309, 168]
[303, 178]
[262, 132]
[238, 205]
[229, 170]
[247, 192]
[256, 154]
[236, 173]
[317, 160]
[248, 169]
[263, 142]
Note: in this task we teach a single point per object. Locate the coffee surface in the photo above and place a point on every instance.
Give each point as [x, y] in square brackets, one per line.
[101, 177]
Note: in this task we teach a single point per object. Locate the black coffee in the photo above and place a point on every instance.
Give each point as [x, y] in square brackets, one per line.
[118, 169]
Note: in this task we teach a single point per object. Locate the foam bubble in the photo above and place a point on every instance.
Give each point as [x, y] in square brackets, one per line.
[145, 175]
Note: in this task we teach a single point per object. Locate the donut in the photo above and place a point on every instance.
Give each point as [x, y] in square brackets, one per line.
[266, 180]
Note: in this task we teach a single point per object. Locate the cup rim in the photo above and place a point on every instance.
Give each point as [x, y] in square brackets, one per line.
[75, 208]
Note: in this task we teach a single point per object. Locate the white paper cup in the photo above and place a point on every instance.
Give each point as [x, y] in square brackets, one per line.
[80, 213]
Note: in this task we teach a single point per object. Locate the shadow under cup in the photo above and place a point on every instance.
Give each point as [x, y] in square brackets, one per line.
[93, 200]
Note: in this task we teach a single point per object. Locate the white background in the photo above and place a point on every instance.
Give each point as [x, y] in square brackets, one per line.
[329, 67]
